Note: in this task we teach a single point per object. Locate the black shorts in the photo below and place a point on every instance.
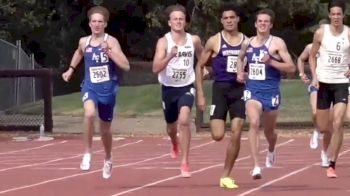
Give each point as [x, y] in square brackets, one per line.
[331, 94]
[227, 96]
[173, 98]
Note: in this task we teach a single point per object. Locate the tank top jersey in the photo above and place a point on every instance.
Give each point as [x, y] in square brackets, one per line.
[225, 62]
[180, 70]
[261, 76]
[333, 59]
[100, 71]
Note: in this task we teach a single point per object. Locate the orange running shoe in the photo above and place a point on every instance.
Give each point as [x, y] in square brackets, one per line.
[331, 173]
[185, 170]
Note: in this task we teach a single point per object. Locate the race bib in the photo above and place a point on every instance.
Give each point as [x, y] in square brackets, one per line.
[257, 71]
[99, 74]
[231, 65]
[177, 74]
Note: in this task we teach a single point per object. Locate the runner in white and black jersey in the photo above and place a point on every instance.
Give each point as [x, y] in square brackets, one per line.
[174, 63]
[330, 72]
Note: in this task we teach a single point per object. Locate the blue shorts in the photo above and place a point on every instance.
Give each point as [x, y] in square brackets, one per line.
[270, 100]
[173, 98]
[311, 89]
[105, 103]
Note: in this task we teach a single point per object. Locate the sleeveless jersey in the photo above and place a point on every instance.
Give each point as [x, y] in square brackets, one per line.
[225, 62]
[261, 76]
[333, 60]
[100, 71]
[180, 70]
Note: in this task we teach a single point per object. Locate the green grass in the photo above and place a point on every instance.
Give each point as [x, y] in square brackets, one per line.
[146, 100]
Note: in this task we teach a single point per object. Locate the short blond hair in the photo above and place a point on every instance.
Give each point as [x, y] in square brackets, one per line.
[100, 10]
[173, 8]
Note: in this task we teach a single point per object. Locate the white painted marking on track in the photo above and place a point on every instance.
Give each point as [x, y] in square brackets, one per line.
[286, 176]
[194, 172]
[91, 172]
[35, 148]
[65, 158]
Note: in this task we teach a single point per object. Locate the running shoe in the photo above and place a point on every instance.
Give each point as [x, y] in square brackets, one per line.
[331, 173]
[324, 159]
[185, 170]
[270, 159]
[314, 139]
[107, 169]
[227, 182]
[85, 162]
[256, 173]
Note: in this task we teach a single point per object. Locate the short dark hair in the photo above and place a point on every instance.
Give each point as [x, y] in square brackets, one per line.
[267, 12]
[99, 9]
[173, 8]
[229, 7]
[337, 3]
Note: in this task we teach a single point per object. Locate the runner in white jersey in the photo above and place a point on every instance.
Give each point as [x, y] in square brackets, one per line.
[174, 63]
[330, 72]
[180, 71]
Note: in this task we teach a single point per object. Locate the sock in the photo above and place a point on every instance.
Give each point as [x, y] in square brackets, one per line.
[332, 164]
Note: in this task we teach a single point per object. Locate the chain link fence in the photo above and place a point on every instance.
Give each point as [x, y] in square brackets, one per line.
[17, 93]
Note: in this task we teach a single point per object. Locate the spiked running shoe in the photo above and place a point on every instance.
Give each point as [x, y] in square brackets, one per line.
[314, 139]
[85, 162]
[185, 170]
[227, 182]
[324, 159]
[270, 159]
[256, 173]
[331, 173]
[107, 169]
[174, 151]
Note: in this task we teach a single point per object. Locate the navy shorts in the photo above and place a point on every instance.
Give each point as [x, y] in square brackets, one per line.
[173, 98]
[270, 100]
[105, 103]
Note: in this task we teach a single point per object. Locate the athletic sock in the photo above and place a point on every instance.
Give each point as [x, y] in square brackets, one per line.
[332, 164]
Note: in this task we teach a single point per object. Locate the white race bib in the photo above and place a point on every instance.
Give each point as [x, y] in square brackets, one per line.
[99, 74]
[257, 71]
[176, 74]
[231, 65]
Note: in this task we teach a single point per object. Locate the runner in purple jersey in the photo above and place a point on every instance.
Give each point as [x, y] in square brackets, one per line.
[223, 49]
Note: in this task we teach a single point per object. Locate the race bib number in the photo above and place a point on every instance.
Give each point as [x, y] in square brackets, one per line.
[99, 74]
[104, 57]
[231, 65]
[334, 59]
[177, 74]
[257, 71]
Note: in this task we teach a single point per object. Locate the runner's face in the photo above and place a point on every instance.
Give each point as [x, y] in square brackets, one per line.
[263, 23]
[229, 20]
[336, 16]
[177, 21]
[97, 23]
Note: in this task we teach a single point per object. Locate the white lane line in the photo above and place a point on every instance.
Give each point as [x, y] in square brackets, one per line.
[64, 158]
[35, 148]
[194, 172]
[285, 176]
[91, 172]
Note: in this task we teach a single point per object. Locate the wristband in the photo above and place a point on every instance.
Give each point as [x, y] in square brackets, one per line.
[72, 67]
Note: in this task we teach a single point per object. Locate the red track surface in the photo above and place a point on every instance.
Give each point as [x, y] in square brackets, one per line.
[142, 166]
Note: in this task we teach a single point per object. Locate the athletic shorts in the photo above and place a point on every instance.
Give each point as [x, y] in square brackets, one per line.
[270, 100]
[311, 89]
[105, 104]
[329, 94]
[173, 98]
[227, 97]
